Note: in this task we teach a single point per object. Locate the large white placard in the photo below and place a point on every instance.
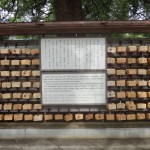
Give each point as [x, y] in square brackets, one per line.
[74, 88]
[73, 53]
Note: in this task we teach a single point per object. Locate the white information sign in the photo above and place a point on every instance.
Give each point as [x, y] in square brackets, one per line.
[74, 88]
[73, 53]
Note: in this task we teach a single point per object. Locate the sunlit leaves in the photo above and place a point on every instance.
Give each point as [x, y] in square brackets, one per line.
[43, 10]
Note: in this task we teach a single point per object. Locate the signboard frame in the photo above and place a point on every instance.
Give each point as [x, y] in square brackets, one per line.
[79, 71]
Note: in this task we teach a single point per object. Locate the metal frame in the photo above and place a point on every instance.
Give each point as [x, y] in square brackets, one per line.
[66, 71]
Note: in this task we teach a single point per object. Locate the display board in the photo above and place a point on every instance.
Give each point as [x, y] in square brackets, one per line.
[64, 62]
[73, 54]
[73, 88]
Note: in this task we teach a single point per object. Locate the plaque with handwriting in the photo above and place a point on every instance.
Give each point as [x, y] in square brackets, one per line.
[73, 54]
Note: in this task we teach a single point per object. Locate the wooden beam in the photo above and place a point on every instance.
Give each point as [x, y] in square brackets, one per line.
[76, 27]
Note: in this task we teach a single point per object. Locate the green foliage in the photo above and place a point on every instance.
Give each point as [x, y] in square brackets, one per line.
[97, 10]
[116, 9]
[26, 10]
[43, 10]
[128, 35]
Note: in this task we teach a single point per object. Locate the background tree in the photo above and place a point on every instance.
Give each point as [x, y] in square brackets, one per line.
[68, 10]
[49, 10]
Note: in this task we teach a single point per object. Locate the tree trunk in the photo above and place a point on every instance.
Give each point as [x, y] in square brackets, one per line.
[68, 10]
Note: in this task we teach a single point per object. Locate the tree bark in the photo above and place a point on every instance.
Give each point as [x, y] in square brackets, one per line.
[68, 10]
